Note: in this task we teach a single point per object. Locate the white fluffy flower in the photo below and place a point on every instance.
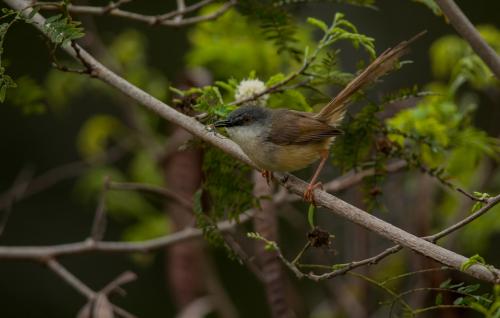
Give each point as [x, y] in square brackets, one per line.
[249, 88]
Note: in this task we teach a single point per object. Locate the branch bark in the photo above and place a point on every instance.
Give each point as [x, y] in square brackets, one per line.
[170, 19]
[292, 183]
[42, 253]
[467, 30]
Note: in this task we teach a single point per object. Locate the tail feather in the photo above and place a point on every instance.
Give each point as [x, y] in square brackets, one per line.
[334, 111]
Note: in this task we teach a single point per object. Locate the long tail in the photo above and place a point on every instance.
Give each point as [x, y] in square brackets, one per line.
[334, 111]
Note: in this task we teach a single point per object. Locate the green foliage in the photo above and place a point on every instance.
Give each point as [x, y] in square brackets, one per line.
[269, 245]
[437, 123]
[61, 29]
[6, 81]
[61, 88]
[291, 99]
[227, 184]
[452, 58]
[29, 96]
[431, 4]
[476, 259]
[149, 227]
[354, 147]
[129, 50]
[231, 46]
[144, 168]
[486, 304]
[310, 215]
[276, 23]
[124, 205]
[95, 134]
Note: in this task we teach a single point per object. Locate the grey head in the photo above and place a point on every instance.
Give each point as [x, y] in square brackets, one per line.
[248, 126]
[245, 116]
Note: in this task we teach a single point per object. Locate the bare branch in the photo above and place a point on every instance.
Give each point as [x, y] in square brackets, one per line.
[41, 253]
[343, 182]
[491, 202]
[170, 19]
[292, 183]
[79, 286]
[70, 279]
[467, 30]
[344, 268]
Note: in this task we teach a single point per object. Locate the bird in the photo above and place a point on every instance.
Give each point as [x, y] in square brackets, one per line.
[284, 140]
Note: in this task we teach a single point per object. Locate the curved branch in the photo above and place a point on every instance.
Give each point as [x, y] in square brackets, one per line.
[291, 182]
[42, 253]
[467, 30]
[162, 19]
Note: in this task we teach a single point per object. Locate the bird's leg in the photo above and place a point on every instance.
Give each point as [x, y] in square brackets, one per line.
[268, 175]
[309, 193]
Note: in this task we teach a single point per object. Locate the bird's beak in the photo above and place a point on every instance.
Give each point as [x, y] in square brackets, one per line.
[222, 123]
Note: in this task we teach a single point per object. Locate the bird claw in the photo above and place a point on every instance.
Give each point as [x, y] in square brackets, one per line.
[268, 175]
[309, 193]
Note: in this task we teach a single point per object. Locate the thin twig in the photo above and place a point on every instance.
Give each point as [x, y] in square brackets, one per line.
[79, 286]
[71, 279]
[41, 253]
[467, 30]
[169, 19]
[148, 188]
[491, 202]
[344, 268]
[181, 6]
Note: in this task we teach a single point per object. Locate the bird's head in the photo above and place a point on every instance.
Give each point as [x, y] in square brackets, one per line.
[245, 116]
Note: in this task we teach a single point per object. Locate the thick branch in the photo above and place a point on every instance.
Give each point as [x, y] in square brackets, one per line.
[344, 268]
[292, 183]
[465, 28]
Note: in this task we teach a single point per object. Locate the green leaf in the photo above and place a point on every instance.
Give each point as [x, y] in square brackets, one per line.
[62, 30]
[28, 96]
[144, 169]
[445, 284]
[6, 82]
[439, 299]
[318, 23]
[476, 259]
[95, 134]
[458, 301]
[431, 4]
[310, 215]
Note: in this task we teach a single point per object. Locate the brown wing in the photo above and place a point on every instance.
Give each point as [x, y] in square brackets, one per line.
[334, 111]
[295, 128]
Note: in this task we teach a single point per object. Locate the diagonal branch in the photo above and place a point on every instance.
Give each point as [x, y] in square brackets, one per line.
[79, 286]
[344, 268]
[292, 183]
[467, 30]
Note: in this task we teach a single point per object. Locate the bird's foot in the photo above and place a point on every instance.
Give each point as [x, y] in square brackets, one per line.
[309, 193]
[268, 175]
